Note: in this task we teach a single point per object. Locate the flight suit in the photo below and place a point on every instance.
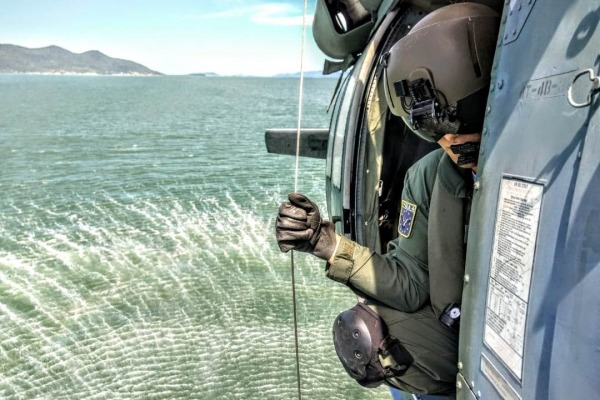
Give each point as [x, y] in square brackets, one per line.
[426, 261]
[409, 351]
[433, 347]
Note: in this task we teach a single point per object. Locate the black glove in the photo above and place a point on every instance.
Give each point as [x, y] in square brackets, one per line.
[300, 227]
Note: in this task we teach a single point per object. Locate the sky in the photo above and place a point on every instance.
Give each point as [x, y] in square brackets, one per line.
[228, 37]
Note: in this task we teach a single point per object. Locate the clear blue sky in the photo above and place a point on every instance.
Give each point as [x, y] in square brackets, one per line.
[257, 37]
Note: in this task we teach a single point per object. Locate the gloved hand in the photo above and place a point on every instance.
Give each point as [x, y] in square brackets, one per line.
[300, 227]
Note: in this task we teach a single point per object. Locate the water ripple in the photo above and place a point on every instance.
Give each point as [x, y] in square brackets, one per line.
[137, 258]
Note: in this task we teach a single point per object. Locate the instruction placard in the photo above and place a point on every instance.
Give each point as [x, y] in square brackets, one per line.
[510, 271]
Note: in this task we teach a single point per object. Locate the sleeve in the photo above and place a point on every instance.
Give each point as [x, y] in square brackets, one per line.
[399, 278]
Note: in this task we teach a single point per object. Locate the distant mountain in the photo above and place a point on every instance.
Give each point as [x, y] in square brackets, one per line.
[56, 60]
[211, 74]
[309, 74]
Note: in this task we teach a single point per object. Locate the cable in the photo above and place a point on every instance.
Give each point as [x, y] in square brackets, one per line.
[296, 328]
[300, 97]
[298, 130]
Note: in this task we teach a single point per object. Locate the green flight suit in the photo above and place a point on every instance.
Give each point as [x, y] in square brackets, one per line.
[400, 278]
[433, 347]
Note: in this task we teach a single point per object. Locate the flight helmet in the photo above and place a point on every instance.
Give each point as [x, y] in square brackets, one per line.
[437, 76]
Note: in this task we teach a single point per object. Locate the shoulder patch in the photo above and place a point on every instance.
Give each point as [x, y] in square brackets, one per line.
[407, 217]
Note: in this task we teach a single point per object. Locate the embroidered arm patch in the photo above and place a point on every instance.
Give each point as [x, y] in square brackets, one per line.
[407, 217]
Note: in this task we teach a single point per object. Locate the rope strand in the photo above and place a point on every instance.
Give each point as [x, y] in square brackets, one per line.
[297, 347]
[298, 130]
[300, 95]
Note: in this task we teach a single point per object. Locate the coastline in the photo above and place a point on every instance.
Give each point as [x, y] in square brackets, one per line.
[71, 73]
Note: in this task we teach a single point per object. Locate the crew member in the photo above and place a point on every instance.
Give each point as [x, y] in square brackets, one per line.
[436, 78]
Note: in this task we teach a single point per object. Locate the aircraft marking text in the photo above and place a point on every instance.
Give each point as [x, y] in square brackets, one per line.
[550, 86]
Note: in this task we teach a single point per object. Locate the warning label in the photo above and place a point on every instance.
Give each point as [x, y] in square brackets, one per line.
[510, 272]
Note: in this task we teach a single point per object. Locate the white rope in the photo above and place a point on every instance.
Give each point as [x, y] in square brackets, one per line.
[300, 95]
[298, 129]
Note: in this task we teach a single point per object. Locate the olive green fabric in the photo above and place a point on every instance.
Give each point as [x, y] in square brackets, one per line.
[433, 347]
[400, 278]
[446, 250]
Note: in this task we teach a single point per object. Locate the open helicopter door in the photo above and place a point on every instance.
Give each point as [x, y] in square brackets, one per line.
[530, 317]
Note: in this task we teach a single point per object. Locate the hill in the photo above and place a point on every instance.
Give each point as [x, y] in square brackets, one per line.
[209, 74]
[56, 60]
[309, 74]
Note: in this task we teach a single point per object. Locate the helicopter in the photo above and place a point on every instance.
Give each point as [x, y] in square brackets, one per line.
[530, 323]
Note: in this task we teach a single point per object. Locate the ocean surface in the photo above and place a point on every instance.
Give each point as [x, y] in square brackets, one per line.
[137, 251]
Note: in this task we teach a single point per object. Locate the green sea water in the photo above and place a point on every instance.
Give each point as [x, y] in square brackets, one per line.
[137, 251]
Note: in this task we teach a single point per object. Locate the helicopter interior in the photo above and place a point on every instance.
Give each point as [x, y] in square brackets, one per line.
[386, 148]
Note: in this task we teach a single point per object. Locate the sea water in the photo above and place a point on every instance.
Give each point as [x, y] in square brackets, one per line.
[137, 251]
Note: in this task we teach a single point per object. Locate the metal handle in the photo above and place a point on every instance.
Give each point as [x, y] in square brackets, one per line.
[595, 87]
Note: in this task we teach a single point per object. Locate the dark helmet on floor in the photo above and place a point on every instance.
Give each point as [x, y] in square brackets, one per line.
[437, 76]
